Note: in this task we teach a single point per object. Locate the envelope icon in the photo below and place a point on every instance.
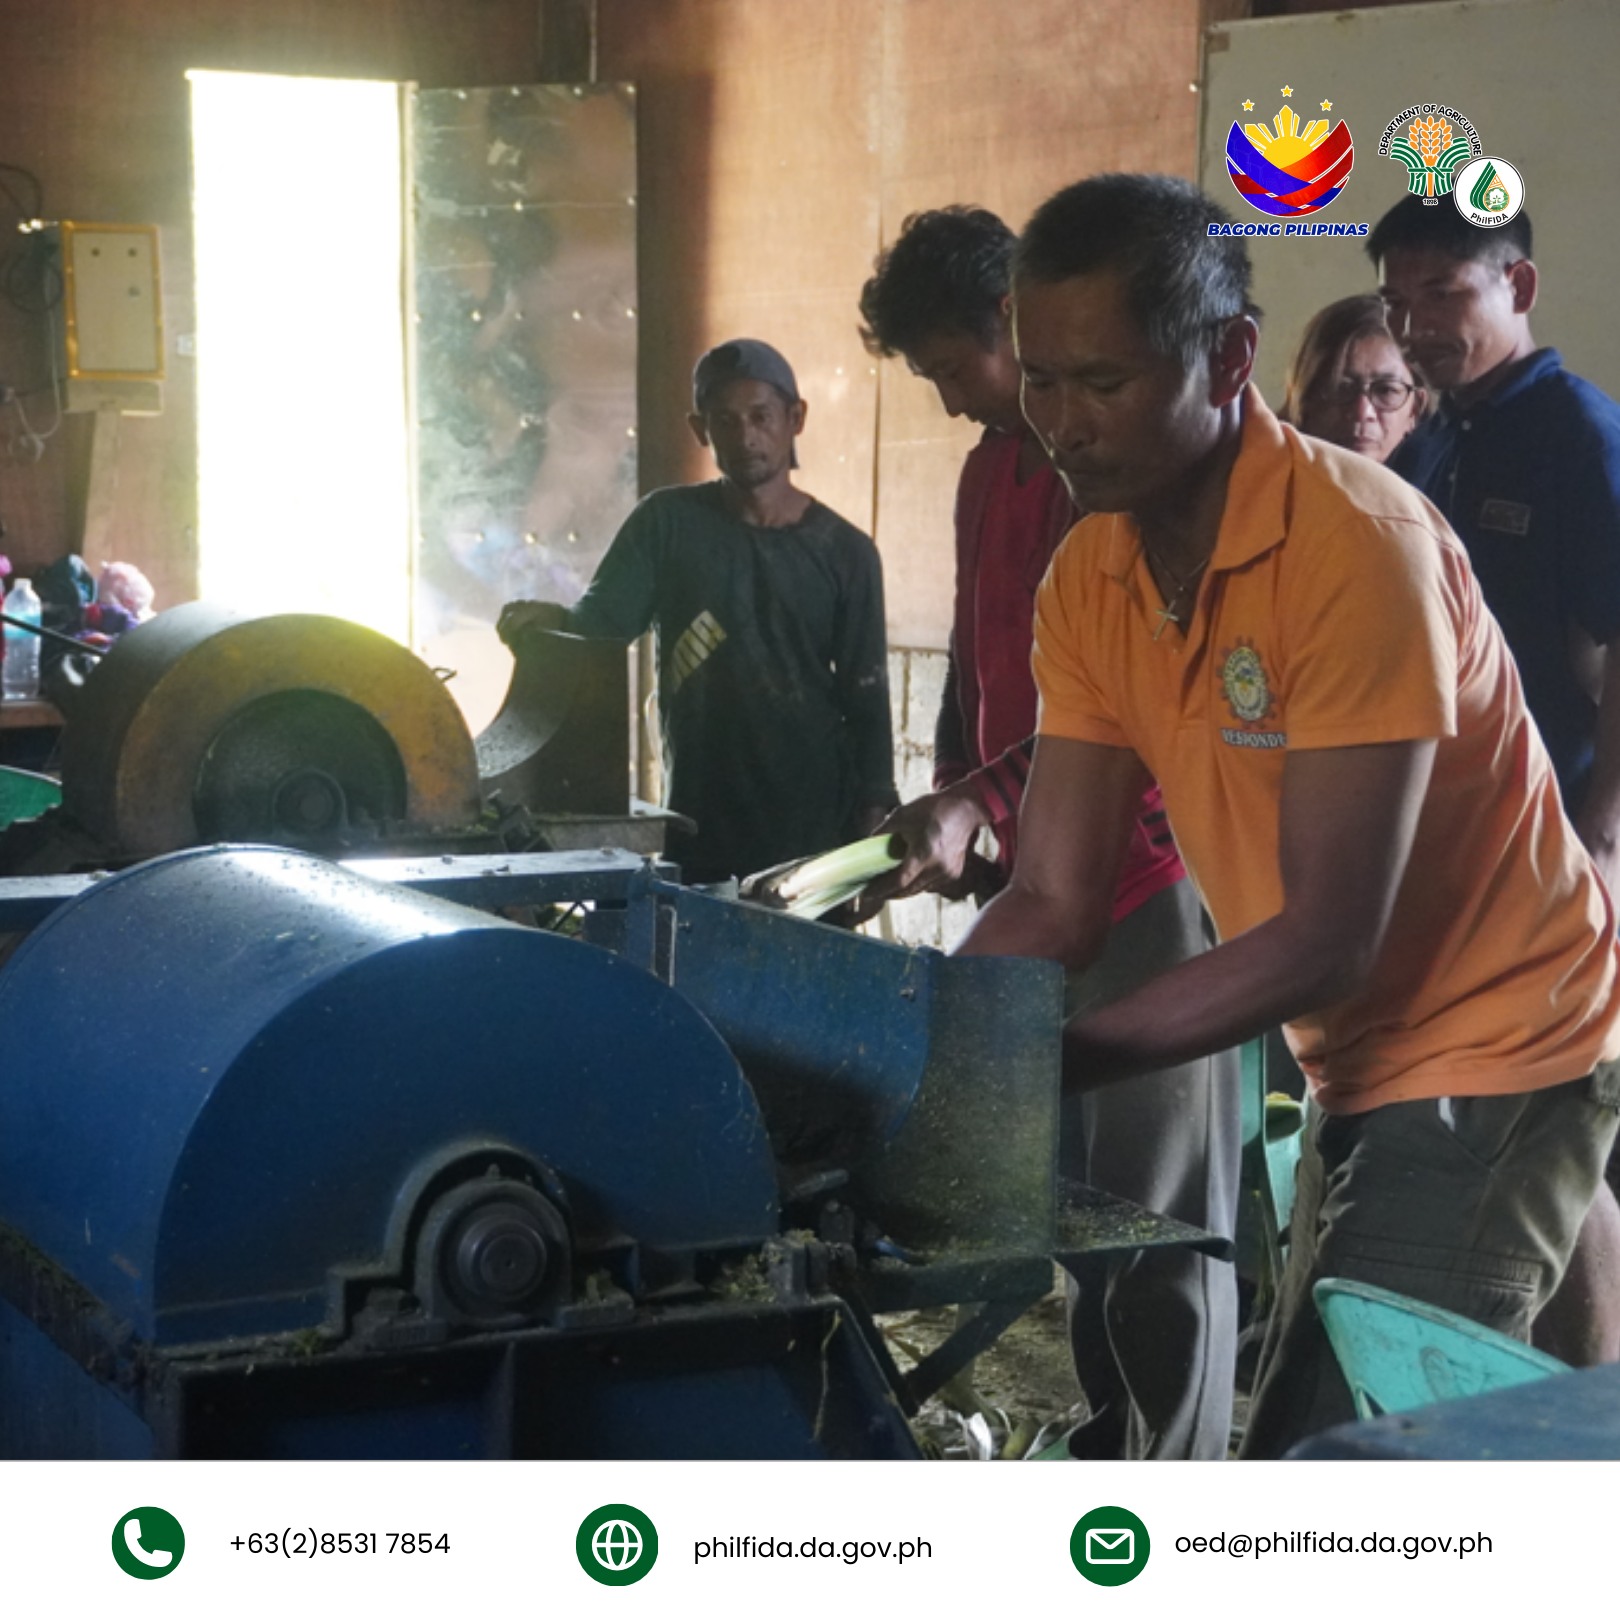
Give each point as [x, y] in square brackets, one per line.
[1110, 1546]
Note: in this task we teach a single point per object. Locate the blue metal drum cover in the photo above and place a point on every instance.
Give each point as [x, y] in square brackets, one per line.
[222, 1066]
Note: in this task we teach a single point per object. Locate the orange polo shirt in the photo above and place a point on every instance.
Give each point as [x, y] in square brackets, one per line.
[1339, 609]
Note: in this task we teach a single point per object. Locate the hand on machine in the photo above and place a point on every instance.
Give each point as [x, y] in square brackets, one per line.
[517, 618]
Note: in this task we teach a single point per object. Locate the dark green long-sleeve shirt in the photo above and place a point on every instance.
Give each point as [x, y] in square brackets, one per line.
[773, 680]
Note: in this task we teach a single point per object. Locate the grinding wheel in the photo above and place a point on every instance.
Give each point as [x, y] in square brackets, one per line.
[203, 726]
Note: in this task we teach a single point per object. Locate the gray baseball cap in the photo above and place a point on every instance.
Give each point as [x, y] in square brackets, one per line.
[745, 360]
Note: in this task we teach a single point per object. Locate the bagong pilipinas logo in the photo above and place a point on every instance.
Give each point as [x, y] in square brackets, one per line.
[1435, 142]
[1287, 171]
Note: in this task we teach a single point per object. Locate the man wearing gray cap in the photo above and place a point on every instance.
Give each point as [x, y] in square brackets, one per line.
[773, 691]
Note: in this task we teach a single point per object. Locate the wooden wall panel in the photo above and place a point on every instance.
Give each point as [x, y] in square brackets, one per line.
[782, 145]
[97, 106]
[759, 193]
[1001, 107]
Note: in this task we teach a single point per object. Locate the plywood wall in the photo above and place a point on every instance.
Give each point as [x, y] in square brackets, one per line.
[782, 145]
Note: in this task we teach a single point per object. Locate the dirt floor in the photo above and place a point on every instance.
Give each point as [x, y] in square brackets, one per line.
[1020, 1395]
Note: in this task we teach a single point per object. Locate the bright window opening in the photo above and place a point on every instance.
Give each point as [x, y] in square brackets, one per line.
[303, 448]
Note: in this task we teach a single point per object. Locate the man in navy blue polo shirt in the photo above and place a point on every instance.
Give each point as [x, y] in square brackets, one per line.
[1523, 458]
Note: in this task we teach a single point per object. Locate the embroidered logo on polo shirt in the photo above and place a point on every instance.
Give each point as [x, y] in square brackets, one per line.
[1249, 696]
[1505, 517]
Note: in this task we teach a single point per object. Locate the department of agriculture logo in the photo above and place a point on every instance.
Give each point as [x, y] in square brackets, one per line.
[1433, 142]
[1109, 1546]
[616, 1544]
[1489, 192]
[148, 1543]
[1287, 170]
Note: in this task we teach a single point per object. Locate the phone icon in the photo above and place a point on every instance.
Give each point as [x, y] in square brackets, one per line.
[148, 1543]
[161, 1559]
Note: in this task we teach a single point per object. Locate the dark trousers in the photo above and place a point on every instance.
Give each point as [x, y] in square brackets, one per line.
[1155, 1335]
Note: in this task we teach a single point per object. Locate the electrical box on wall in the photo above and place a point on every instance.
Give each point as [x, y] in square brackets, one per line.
[112, 318]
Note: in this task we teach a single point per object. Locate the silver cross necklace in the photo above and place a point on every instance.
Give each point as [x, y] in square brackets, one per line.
[1177, 601]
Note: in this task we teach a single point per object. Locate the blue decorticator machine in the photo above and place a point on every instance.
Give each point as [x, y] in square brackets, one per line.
[303, 1157]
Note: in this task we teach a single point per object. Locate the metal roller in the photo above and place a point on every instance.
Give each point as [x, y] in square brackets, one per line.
[203, 726]
[284, 1073]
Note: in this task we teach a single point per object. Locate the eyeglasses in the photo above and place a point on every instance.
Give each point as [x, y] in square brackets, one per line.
[1386, 393]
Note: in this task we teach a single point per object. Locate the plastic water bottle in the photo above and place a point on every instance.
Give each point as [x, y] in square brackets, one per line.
[19, 675]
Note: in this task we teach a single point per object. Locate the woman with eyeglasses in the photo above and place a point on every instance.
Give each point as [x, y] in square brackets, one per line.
[1350, 384]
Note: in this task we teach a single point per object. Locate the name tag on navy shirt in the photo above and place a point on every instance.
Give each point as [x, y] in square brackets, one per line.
[1505, 517]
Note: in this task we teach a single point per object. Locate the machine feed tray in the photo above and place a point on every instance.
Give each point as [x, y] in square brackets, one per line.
[1093, 1225]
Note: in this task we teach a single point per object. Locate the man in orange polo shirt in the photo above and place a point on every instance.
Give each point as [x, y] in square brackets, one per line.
[1155, 1341]
[1292, 643]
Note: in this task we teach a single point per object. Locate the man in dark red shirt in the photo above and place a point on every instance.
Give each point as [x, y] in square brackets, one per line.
[1155, 1353]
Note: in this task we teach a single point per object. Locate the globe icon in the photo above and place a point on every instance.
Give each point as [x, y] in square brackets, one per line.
[616, 1544]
